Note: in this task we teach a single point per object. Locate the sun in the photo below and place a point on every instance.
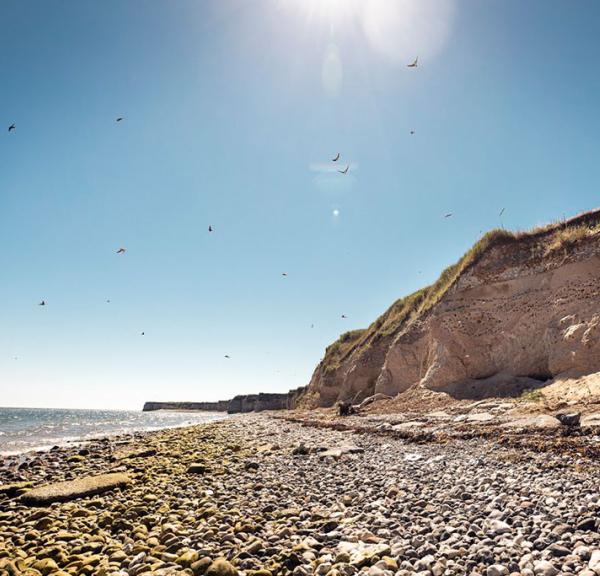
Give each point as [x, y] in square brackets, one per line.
[398, 30]
[330, 11]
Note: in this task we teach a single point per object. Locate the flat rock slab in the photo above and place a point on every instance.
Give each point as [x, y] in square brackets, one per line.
[409, 425]
[539, 421]
[126, 454]
[592, 419]
[72, 489]
[480, 417]
[338, 452]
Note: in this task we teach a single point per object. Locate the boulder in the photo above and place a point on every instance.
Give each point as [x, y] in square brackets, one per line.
[72, 489]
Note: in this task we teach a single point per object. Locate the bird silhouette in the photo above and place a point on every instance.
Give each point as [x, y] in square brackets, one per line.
[143, 333]
[448, 215]
[501, 212]
[344, 316]
[227, 356]
[284, 274]
[312, 325]
[121, 251]
[12, 127]
[412, 131]
[210, 229]
[42, 303]
[336, 158]
[108, 301]
[119, 119]
[345, 170]
[414, 64]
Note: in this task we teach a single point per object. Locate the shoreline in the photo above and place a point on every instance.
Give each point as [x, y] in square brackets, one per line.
[46, 445]
[270, 496]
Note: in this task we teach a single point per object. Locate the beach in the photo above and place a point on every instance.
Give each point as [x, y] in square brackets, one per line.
[259, 495]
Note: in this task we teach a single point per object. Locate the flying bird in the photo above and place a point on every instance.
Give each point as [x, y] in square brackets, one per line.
[345, 170]
[210, 229]
[412, 131]
[414, 64]
[42, 303]
[227, 356]
[312, 325]
[121, 251]
[448, 215]
[336, 158]
[108, 301]
[143, 333]
[284, 274]
[344, 316]
[12, 127]
[501, 212]
[119, 119]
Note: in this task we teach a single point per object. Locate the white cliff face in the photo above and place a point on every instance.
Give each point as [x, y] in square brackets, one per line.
[516, 318]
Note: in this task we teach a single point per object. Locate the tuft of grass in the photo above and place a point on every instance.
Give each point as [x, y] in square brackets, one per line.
[565, 238]
[531, 395]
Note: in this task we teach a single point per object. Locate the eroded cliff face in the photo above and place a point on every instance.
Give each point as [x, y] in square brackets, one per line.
[519, 312]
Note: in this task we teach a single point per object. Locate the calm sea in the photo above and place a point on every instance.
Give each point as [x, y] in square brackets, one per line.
[25, 429]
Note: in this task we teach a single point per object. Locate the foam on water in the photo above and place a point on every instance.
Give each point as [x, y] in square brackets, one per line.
[26, 429]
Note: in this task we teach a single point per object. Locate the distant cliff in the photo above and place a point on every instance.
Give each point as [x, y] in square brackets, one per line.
[220, 406]
[239, 404]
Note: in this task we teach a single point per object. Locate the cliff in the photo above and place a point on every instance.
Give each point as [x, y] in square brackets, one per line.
[220, 406]
[518, 311]
[241, 403]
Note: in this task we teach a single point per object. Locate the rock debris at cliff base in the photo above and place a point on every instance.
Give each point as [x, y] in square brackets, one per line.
[261, 505]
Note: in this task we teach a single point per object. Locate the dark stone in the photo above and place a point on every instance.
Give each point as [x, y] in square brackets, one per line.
[558, 550]
[571, 419]
[345, 409]
[588, 523]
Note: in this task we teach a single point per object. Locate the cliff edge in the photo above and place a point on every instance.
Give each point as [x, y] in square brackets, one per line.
[516, 312]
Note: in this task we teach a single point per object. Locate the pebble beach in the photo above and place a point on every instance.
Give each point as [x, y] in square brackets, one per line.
[259, 495]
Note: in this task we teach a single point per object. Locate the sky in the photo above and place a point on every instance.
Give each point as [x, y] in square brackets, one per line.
[233, 110]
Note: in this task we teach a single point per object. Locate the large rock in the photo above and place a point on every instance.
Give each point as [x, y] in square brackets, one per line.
[70, 490]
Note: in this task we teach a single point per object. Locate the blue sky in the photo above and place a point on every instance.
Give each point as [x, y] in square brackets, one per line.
[232, 110]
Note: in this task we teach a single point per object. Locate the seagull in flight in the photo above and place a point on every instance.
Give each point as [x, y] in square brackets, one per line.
[414, 64]
[336, 158]
[228, 356]
[448, 215]
[501, 211]
[143, 333]
[412, 131]
[121, 251]
[210, 229]
[345, 170]
[344, 316]
[12, 127]
[42, 303]
[120, 119]
[284, 274]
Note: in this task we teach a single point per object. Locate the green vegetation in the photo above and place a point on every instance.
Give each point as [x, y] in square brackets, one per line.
[543, 241]
[531, 395]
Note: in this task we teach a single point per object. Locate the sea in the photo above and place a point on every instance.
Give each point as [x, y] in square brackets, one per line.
[26, 429]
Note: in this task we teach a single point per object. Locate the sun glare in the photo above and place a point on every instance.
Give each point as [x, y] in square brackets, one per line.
[396, 29]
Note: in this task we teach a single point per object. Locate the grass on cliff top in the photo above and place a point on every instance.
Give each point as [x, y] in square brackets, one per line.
[547, 239]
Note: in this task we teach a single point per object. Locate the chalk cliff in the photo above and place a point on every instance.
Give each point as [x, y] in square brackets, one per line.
[517, 311]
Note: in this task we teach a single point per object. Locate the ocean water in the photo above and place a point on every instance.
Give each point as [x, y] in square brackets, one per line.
[26, 429]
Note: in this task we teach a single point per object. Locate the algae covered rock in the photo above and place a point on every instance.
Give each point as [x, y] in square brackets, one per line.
[221, 567]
